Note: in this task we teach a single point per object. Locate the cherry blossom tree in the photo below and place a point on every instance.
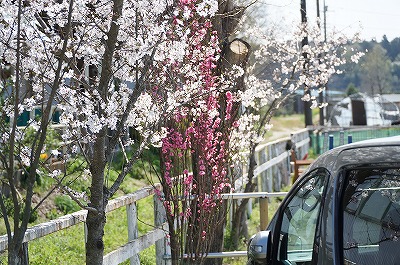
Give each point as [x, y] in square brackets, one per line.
[280, 67]
[108, 66]
[27, 76]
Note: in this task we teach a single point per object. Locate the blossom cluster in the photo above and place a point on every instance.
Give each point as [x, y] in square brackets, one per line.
[161, 31]
[282, 66]
[163, 56]
[195, 150]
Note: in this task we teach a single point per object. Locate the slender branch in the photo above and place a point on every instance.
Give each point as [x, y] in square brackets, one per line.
[44, 125]
[10, 174]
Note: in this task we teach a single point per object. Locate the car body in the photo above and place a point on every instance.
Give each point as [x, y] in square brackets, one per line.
[345, 209]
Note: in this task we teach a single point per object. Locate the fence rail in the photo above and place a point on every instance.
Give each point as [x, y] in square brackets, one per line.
[273, 160]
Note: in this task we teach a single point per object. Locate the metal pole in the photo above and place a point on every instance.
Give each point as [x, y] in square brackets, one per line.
[325, 9]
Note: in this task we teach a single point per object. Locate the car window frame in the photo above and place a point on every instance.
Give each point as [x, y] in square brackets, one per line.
[340, 192]
[279, 216]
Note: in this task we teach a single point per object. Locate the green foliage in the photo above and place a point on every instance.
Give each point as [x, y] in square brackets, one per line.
[351, 89]
[376, 65]
[10, 212]
[66, 204]
[53, 214]
[376, 75]
[392, 47]
[9, 206]
[145, 168]
[52, 141]
[32, 218]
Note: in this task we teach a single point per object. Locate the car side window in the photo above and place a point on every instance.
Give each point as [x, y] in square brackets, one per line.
[371, 216]
[299, 220]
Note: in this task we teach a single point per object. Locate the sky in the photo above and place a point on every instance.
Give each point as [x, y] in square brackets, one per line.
[372, 18]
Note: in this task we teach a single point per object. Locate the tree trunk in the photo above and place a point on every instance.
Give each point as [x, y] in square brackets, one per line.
[99, 194]
[18, 256]
[237, 216]
[217, 245]
[96, 218]
[95, 246]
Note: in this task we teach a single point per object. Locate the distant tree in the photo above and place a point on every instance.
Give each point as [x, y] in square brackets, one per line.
[392, 47]
[376, 76]
[368, 45]
[351, 89]
[385, 43]
[396, 74]
[395, 48]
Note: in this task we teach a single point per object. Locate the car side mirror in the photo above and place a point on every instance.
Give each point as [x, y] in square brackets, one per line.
[258, 248]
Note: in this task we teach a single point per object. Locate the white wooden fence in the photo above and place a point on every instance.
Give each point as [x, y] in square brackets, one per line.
[271, 158]
[134, 245]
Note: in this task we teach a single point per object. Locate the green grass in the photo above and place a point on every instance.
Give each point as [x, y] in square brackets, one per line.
[68, 245]
[284, 125]
[57, 248]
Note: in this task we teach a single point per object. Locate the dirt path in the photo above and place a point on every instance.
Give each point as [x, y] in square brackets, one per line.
[283, 126]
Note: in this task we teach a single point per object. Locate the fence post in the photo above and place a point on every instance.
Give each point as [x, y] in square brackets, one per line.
[131, 212]
[163, 250]
[276, 173]
[349, 139]
[330, 142]
[341, 138]
[85, 231]
[325, 145]
[263, 213]
[269, 173]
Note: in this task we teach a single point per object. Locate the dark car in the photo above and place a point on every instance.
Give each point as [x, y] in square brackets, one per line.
[345, 209]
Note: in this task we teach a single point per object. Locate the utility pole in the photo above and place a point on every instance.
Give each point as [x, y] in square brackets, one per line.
[326, 98]
[321, 94]
[325, 9]
[304, 42]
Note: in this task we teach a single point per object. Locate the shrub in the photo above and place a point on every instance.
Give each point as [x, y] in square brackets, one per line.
[66, 204]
